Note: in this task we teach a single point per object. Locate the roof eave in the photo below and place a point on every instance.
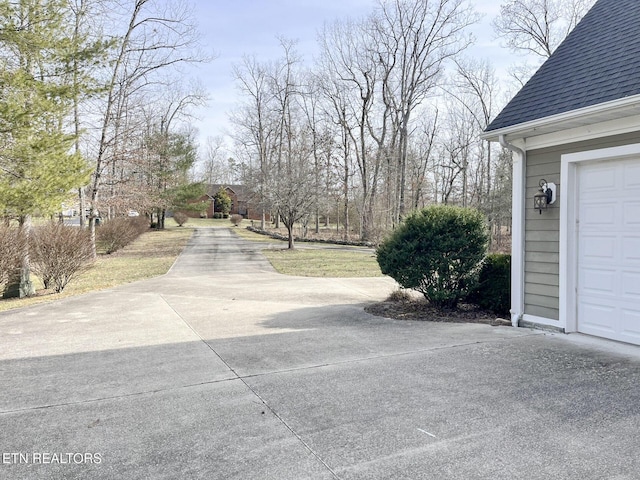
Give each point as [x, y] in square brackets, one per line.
[624, 107]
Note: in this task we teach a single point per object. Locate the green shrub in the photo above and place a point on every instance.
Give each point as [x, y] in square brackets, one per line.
[493, 291]
[59, 253]
[436, 251]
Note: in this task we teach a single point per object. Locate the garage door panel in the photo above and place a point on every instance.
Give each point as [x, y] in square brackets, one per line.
[608, 250]
[631, 176]
[630, 325]
[599, 215]
[596, 318]
[631, 285]
[598, 178]
[598, 248]
[598, 281]
[631, 250]
[631, 216]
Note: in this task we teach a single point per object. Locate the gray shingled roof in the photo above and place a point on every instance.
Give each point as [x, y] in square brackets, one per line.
[597, 63]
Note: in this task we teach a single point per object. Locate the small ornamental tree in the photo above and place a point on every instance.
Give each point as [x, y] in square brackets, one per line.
[437, 251]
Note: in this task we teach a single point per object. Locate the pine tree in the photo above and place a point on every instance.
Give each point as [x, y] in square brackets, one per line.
[37, 168]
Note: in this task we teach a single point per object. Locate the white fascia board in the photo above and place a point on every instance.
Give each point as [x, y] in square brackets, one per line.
[564, 121]
[589, 132]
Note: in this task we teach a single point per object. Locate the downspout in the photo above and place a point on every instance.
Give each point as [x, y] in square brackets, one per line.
[517, 231]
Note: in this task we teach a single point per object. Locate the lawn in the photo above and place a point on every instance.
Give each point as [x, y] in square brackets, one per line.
[320, 262]
[316, 259]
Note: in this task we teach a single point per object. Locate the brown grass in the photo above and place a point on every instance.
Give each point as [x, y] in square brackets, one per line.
[151, 255]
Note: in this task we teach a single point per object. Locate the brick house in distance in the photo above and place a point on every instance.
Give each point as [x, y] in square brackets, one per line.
[240, 201]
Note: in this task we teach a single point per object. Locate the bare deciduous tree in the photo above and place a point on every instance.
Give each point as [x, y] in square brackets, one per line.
[335, 100]
[292, 194]
[413, 39]
[217, 167]
[538, 26]
[256, 130]
[421, 156]
[158, 37]
[345, 59]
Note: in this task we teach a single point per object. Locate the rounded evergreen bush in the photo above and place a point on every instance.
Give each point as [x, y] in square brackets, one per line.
[437, 251]
[494, 284]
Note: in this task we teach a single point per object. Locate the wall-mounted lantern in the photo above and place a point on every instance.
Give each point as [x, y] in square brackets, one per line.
[546, 196]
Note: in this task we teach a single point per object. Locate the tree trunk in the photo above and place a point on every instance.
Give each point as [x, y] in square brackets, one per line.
[290, 232]
[21, 285]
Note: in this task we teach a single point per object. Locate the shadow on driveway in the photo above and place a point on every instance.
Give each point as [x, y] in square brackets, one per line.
[224, 369]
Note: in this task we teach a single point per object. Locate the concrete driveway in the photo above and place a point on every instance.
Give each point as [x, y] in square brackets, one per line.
[223, 369]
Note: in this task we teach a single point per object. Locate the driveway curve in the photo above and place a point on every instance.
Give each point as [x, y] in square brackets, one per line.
[224, 369]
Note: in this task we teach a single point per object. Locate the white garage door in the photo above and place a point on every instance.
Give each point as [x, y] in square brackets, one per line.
[609, 250]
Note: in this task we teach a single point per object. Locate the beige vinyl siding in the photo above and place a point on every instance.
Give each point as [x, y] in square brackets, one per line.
[542, 232]
[542, 235]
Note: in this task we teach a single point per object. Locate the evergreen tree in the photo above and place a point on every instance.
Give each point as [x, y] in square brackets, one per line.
[187, 197]
[222, 201]
[171, 157]
[37, 168]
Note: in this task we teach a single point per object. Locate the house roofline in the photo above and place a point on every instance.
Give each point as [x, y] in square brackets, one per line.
[623, 107]
[234, 188]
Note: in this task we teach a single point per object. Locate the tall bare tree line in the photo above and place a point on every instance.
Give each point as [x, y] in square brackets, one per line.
[380, 135]
[388, 117]
[386, 120]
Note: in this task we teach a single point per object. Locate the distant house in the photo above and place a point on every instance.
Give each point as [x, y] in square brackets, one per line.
[241, 203]
[575, 131]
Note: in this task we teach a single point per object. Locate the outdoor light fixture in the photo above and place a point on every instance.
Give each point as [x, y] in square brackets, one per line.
[546, 196]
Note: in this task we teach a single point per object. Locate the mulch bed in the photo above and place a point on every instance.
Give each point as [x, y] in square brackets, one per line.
[421, 310]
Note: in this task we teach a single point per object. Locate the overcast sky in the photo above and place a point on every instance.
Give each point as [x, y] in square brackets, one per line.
[232, 28]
